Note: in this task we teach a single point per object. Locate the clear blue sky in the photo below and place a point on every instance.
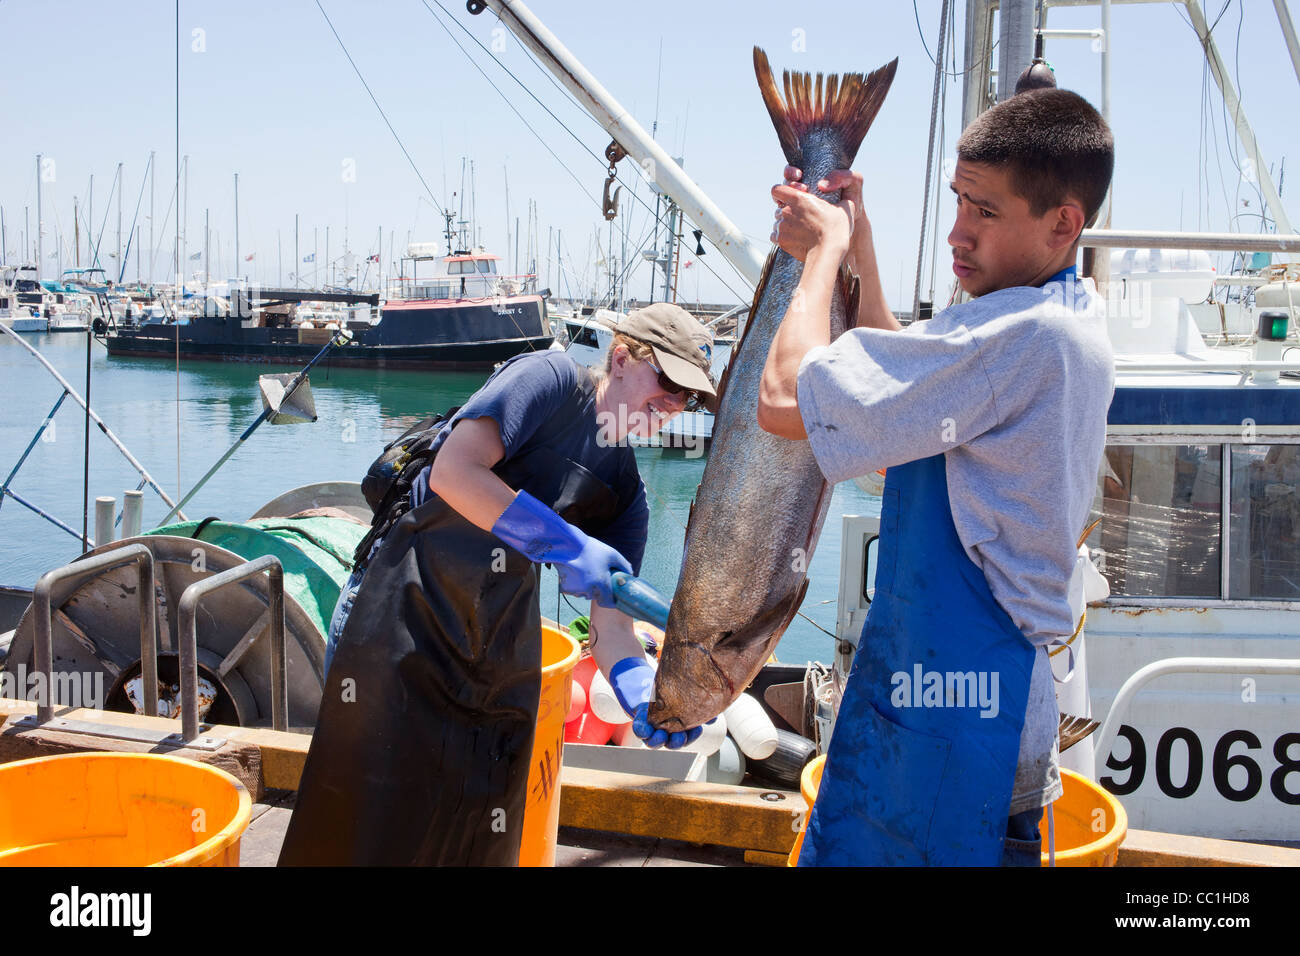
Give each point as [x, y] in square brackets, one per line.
[271, 96]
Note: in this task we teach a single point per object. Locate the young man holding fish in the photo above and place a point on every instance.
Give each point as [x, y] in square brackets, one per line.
[990, 420]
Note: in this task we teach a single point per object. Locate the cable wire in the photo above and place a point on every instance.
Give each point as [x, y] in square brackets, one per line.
[400, 144]
[562, 124]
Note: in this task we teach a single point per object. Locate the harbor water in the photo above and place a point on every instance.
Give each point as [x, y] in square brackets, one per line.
[177, 424]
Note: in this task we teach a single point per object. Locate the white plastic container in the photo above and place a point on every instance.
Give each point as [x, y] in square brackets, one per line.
[711, 739]
[727, 765]
[752, 729]
[604, 704]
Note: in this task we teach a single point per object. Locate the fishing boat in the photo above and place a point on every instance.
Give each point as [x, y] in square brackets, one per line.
[449, 308]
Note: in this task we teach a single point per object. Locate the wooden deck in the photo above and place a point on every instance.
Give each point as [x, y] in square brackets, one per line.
[260, 845]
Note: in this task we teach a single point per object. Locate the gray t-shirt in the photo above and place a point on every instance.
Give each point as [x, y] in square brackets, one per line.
[1012, 388]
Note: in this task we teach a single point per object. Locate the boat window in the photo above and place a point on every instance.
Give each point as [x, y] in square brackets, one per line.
[587, 337]
[453, 268]
[1264, 528]
[1160, 509]
[485, 266]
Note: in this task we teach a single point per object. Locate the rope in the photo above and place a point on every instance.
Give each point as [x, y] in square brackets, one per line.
[1077, 631]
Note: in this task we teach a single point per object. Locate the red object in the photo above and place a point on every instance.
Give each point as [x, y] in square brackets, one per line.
[577, 702]
[587, 728]
[623, 734]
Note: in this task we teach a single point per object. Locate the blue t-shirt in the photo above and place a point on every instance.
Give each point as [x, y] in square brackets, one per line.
[522, 397]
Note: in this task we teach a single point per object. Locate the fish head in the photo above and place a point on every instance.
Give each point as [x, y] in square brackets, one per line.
[701, 675]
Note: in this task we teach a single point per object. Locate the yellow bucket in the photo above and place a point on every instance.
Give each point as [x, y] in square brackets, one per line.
[113, 809]
[1090, 824]
[542, 811]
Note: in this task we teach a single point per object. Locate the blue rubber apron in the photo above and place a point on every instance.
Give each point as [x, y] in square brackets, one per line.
[922, 762]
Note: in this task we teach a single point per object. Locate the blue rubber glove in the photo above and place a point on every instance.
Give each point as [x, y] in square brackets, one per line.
[583, 563]
[633, 681]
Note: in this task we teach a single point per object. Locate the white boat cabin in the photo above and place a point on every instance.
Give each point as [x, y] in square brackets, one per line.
[461, 275]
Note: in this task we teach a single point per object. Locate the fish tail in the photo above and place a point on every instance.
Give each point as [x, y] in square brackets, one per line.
[847, 103]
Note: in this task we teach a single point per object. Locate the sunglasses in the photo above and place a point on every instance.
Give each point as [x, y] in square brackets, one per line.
[672, 388]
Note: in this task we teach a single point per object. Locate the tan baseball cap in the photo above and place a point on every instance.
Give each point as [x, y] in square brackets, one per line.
[683, 348]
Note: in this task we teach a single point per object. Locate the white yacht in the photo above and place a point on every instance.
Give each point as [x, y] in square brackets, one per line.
[22, 300]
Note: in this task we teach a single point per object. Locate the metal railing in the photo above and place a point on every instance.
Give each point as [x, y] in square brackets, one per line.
[78, 572]
[142, 557]
[1178, 665]
[188, 626]
[1209, 241]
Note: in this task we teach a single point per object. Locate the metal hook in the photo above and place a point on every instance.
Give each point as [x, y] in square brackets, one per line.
[609, 204]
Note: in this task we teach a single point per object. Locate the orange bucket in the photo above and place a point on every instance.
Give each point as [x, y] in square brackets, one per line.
[809, 781]
[542, 810]
[1090, 824]
[115, 809]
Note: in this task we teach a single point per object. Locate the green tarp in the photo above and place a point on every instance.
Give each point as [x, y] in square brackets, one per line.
[316, 554]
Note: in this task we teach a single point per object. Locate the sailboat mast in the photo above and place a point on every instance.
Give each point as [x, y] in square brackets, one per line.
[152, 241]
[39, 247]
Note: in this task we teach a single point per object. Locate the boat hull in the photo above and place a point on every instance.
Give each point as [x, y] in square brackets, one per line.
[416, 335]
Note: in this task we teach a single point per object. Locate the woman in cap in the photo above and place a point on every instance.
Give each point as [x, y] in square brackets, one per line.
[421, 747]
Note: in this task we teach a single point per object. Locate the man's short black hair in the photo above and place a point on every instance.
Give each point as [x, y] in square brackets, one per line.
[1054, 143]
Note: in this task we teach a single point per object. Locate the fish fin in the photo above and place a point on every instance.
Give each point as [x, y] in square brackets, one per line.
[848, 103]
[785, 131]
[749, 323]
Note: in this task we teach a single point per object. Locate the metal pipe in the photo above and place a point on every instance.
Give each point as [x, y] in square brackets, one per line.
[132, 510]
[75, 573]
[1214, 241]
[32, 444]
[1105, 78]
[1191, 365]
[1015, 43]
[629, 134]
[1178, 665]
[1288, 31]
[108, 433]
[105, 506]
[1225, 519]
[979, 40]
[929, 158]
[188, 625]
[44, 514]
